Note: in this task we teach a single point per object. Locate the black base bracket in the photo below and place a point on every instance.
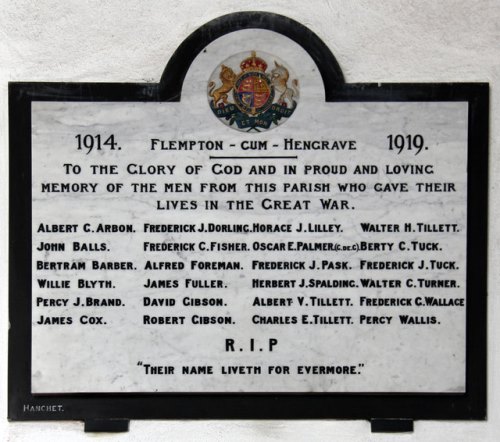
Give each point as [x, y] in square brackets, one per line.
[392, 425]
[106, 425]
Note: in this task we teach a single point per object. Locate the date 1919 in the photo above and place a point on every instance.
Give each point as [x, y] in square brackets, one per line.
[400, 143]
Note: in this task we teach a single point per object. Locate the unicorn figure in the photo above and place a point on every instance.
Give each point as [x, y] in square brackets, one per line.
[279, 79]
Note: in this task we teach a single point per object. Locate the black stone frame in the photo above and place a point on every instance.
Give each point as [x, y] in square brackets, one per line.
[470, 405]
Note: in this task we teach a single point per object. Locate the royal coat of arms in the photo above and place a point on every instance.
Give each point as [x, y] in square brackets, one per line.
[253, 99]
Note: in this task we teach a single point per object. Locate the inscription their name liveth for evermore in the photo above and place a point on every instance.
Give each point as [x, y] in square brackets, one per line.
[225, 263]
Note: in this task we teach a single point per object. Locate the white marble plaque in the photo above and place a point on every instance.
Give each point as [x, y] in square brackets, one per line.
[174, 254]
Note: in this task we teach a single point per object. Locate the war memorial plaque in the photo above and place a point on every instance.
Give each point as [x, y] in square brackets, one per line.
[251, 237]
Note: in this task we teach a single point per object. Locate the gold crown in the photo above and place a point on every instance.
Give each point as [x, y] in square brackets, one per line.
[253, 63]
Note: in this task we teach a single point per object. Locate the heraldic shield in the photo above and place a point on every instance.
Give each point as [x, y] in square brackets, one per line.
[245, 95]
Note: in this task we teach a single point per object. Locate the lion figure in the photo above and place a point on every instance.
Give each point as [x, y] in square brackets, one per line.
[228, 77]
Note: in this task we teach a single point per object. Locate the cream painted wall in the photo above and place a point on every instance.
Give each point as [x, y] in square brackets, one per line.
[131, 41]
